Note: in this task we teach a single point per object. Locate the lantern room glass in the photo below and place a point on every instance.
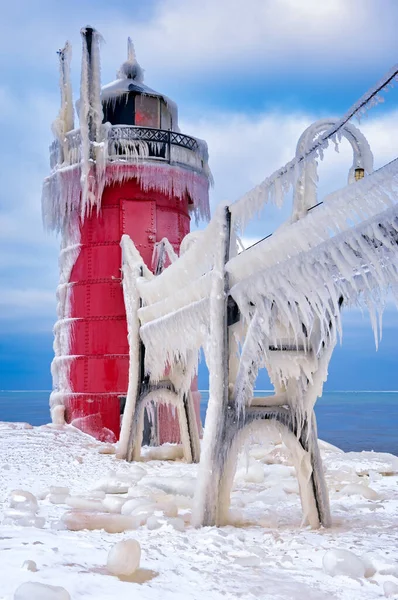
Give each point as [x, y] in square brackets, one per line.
[147, 111]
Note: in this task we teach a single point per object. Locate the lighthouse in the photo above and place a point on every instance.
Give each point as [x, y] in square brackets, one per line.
[125, 169]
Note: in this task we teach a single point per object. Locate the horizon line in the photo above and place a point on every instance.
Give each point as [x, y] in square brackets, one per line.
[271, 391]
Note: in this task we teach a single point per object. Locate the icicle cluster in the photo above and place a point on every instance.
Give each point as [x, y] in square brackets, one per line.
[339, 212]
[293, 307]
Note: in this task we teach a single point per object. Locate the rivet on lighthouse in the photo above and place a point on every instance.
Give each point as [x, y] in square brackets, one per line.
[126, 170]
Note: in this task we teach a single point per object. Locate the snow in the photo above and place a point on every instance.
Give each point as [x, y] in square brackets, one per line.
[390, 589]
[264, 555]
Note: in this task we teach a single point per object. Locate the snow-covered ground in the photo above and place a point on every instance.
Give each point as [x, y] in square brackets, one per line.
[264, 553]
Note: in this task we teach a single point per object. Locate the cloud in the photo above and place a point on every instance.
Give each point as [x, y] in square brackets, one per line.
[211, 38]
[238, 37]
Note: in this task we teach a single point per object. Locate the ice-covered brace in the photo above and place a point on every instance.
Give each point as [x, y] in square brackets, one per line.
[140, 422]
[231, 417]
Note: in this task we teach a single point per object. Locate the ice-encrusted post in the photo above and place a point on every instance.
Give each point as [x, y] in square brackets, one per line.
[93, 146]
[211, 464]
[131, 270]
[65, 119]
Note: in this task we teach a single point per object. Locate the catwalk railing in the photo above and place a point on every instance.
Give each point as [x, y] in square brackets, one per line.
[128, 142]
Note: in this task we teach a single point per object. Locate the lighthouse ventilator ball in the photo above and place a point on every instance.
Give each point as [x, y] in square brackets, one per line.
[124, 558]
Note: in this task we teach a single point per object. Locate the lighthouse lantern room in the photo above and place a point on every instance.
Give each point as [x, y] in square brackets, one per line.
[126, 170]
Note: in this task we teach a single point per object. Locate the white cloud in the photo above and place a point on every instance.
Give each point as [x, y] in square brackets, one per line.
[211, 37]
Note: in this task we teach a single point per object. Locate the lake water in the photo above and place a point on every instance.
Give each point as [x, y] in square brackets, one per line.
[350, 420]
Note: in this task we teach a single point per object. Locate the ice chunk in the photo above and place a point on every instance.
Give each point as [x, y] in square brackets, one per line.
[375, 562]
[111, 485]
[356, 489]
[58, 494]
[368, 561]
[177, 523]
[107, 449]
[169, 509]
[280, 455]
[390, 589]
[113, 504]
[182, 486]
[112, 523]
[153, 523]
[31, 521]
[124, 558]
[133, 475]
[32, 590]
[23, 501]
[22, 518]
[343, 562]
[253, 474]
[82, 503]
[132, 505]
[165, 452]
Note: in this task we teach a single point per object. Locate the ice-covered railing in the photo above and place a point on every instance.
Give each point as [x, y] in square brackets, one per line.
[131, 143]
[191, 266]
[275, 187]
[164, 377]
[339, 212]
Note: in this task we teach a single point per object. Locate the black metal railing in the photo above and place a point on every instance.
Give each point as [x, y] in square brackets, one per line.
[149, 134]
[160, 143]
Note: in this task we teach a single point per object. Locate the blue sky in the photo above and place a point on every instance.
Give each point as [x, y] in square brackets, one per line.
[248, 77]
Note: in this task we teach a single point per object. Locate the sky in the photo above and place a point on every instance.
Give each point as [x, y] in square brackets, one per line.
[248, 77]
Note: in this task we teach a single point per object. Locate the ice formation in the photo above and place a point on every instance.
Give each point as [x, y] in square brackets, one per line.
[33, 590]
[343, 562]
[124, 558]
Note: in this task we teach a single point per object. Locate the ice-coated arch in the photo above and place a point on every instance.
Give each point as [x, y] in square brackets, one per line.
[305, 192]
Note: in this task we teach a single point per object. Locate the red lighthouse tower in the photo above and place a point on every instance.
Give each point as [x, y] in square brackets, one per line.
[127, 170]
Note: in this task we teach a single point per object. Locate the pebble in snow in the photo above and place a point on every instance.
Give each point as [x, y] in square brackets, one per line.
[30, 565]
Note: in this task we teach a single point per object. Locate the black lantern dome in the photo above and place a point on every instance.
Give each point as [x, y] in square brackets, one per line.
[128, 101]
